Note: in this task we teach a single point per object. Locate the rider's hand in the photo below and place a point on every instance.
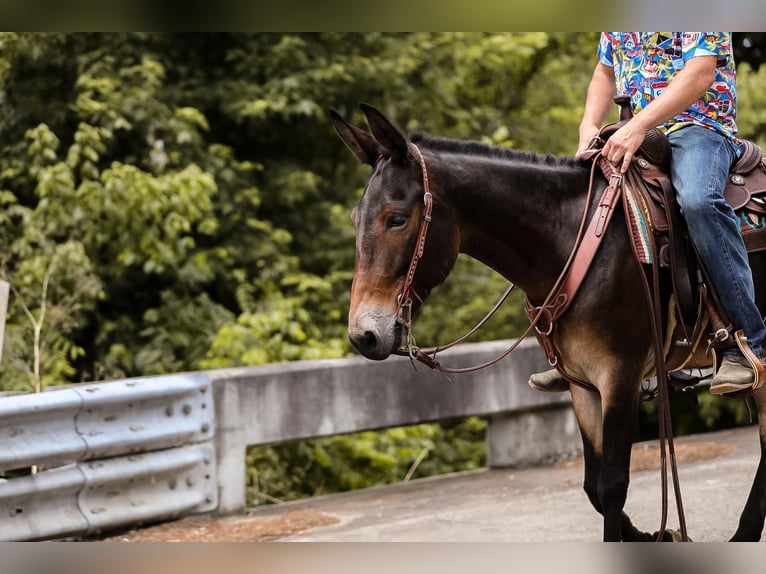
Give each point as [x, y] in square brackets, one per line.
[622, 146]
[587, 133]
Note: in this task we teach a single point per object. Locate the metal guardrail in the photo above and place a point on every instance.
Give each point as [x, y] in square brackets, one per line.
[85, 422]
[88, 498]
[114, 454]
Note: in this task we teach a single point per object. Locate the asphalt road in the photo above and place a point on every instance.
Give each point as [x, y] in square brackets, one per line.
[543, 504]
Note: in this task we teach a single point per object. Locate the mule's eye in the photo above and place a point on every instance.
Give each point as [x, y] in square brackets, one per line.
[395, 220]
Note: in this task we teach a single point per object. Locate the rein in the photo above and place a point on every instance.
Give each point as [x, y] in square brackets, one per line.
[404, 301]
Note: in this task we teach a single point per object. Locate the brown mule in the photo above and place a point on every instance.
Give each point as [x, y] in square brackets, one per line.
[518, 213]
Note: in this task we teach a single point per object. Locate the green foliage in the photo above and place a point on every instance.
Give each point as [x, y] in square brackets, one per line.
[751, 97]
[172, 202]
[322, 466]
[54, 288]
[280, 329]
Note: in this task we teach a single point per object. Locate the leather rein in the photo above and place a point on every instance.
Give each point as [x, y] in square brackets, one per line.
[404, 299]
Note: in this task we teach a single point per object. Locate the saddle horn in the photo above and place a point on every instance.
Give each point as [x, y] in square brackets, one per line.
[655, 148]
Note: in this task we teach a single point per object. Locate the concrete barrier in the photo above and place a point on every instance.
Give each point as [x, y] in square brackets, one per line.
[118, 453]
[309, 399]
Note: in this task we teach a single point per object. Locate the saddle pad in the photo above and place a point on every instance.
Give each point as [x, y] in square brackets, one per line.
[639, 223]
[751, 225]
[750, 221]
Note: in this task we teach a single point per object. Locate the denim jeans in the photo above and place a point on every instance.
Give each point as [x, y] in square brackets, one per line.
[699, 170]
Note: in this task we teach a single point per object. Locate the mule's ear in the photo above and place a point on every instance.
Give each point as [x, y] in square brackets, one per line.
[389, 138]
[361, 144]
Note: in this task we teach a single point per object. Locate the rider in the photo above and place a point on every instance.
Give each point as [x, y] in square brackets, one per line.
[685, 84]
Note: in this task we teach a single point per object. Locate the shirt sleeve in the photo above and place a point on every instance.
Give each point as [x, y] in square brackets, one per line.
[605, 53]
[695, 44]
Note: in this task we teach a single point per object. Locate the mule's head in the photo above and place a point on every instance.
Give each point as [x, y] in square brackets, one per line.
[387, 222]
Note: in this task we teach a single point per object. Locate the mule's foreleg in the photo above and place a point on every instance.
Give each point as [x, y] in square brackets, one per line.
[614, 476]
[587, 408]
[606, 485]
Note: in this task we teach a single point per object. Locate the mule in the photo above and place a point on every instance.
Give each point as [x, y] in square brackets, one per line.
[518, 213]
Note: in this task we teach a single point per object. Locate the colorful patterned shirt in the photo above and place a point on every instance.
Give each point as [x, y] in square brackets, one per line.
[645, 62]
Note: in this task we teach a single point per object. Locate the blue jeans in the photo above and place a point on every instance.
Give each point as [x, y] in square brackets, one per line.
[699, 170]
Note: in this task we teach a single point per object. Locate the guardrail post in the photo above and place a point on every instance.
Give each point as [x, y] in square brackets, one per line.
[532, 437]
[231, 448]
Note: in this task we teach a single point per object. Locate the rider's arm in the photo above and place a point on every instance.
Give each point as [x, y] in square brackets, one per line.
[683, 90]
[598, 104]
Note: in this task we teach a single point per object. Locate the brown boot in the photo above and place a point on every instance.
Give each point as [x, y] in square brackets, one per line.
[549, 382]
[735, 375]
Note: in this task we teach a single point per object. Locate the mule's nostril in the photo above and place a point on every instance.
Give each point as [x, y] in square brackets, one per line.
[366, 341]
[369, 341]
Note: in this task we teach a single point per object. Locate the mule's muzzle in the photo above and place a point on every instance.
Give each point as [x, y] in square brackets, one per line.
[375, 337]
[368, 344]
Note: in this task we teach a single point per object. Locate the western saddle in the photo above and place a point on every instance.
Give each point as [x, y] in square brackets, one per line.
[693, 309]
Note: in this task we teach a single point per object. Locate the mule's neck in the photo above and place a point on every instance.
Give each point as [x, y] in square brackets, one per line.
[519, 216]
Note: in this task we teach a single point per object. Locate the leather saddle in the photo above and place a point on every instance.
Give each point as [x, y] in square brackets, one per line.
[694, 301]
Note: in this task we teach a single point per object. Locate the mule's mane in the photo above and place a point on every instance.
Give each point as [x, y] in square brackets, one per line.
[475, 148]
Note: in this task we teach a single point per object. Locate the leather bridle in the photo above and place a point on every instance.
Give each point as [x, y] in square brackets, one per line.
[404, 301]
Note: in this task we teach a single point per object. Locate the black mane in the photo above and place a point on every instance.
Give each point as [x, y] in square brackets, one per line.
[476, 148]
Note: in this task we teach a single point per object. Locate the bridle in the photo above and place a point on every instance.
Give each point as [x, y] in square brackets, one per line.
[552, 308]
[404, 301]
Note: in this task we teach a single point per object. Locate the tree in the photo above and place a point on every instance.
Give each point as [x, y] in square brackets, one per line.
[202, 179]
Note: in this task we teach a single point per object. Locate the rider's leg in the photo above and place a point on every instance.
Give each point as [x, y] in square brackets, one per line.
[699, 170]
[549, 381]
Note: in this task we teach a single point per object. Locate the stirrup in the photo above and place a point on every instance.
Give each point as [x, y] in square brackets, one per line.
[749, 360]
